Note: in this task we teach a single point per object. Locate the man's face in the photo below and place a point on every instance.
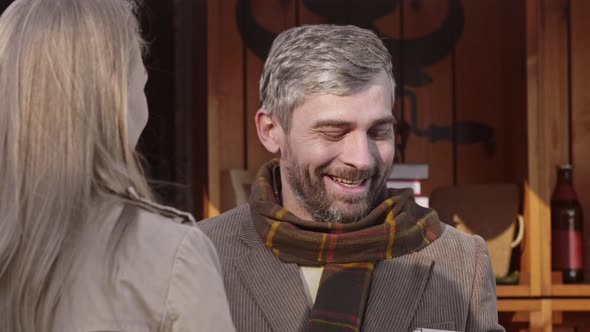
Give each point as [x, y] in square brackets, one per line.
[338, 154]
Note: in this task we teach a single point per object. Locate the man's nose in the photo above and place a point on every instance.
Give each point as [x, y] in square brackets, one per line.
[357, 152]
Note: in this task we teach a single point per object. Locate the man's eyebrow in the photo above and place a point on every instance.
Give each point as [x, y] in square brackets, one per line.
[384, 121]
[331, 123]
[343, 124]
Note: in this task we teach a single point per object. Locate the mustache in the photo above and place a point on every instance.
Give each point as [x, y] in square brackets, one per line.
[347, 173]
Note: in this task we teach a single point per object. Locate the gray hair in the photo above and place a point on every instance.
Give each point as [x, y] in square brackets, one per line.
[319, 59]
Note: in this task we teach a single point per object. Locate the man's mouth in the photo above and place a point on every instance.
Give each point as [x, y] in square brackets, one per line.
[347, 182]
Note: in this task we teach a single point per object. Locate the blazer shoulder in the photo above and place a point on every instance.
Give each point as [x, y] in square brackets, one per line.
[224, 229]
[454, 239]
[454, 247]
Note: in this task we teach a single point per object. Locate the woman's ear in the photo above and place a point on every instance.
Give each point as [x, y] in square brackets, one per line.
[270, 133]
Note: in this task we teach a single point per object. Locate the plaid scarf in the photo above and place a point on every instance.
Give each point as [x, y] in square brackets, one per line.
[348, 252]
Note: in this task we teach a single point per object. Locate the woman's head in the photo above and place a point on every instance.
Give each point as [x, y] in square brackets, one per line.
[72, 108]
[67, 67]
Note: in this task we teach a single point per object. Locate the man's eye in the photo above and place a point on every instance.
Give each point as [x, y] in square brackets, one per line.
[333, 135]
[381, 133]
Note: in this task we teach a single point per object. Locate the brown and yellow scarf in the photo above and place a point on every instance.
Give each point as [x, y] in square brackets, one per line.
[348, 252]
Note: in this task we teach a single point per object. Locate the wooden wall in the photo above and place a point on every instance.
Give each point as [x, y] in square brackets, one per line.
[579, 57]
[520, 67]
[558, 47]
[482, 79]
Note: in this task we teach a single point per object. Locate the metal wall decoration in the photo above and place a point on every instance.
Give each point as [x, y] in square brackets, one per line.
[410, 57]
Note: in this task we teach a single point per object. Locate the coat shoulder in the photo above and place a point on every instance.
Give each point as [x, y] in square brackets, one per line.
[229, 221]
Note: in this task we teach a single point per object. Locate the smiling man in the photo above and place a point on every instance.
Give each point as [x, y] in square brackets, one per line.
[336, 153]
[322, 244]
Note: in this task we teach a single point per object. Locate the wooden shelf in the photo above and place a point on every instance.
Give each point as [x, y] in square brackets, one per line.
[541, 314]
[562, 290]
[512, 291]
[515, 305]
[574, 291]
[570, 304]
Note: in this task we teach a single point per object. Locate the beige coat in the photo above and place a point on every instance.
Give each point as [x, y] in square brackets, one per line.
[168, 279]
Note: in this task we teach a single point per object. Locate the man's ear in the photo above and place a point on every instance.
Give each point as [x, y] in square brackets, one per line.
[270, 132]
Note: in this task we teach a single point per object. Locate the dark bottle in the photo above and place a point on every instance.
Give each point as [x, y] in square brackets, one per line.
[566, 228]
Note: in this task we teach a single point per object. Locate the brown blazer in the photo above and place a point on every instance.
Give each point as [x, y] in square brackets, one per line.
[448, 285]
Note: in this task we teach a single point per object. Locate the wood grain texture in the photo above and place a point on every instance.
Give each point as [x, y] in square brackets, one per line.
[478, 97]
[580, 117]
[547, 105]
[541, 321]
[552, 137]
[514, 91]
[513, 305]
[530, 262]
[225, 103]
[434, 100]
[274, 16]
[490, 89]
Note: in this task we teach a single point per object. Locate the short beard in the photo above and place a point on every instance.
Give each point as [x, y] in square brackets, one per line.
[312, 195]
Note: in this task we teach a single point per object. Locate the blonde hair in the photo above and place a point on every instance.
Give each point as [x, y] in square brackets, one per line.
[64, 68]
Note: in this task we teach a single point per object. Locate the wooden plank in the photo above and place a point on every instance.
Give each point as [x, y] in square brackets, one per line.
[580, 81]
[225, 119]
[478, 76]
[274, 16]
[514, 88]
[481, 75]
[512, 291]
[552, 135]
[547, 98]
[388, 27]
[530, 260]
[518, 305]
[490, 91]
[571, 304]
[542, 320]
[570, 290]
[433, 103]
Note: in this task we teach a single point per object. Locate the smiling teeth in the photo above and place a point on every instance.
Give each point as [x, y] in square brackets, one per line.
[346, 182]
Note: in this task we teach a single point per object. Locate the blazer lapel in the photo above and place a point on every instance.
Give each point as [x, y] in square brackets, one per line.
[396, 290]
[277, 287]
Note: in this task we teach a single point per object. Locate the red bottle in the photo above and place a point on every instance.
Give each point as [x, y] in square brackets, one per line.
[566, 228]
